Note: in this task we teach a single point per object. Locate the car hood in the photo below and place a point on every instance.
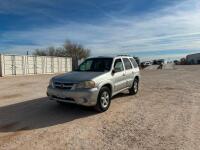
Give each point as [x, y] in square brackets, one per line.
[76, 77]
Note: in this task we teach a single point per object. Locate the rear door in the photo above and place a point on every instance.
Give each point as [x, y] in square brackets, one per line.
[119, 79]
[129, 74]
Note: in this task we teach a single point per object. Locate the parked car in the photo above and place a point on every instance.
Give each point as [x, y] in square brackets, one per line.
[159, 62]
[147, 63]
[96, 81]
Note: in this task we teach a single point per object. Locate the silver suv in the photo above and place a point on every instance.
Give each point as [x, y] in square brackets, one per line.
[96, 81]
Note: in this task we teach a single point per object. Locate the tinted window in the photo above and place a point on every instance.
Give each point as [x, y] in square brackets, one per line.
[127, 63]
[134, 62]
[86, 66]
[118, 66]
[96, 65]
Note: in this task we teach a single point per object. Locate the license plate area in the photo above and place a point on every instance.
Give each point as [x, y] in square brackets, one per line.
[64, 98]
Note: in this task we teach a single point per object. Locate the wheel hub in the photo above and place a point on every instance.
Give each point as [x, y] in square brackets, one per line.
[135, 86]
[105, 99]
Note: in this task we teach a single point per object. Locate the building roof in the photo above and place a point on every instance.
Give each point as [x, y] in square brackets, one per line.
[193, 54]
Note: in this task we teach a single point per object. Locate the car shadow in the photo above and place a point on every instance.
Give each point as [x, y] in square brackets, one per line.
[39, 113]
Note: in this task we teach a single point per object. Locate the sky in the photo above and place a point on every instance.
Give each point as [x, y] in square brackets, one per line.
[145, 28]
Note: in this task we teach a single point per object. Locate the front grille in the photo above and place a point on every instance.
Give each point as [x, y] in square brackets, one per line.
[60, 85]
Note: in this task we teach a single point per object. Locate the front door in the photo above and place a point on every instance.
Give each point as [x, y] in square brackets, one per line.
[119, 79]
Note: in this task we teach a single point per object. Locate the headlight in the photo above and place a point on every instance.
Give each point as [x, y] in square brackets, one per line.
[51, 83]
[86, 85]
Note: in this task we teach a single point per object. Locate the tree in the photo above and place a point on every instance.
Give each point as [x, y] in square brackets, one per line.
[40, 52]
[50, 51]
[77, 52]
[70, 49]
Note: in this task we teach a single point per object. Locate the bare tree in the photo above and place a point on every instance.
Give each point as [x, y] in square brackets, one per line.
[40, 52]
[77, 52]
[50, 51]
[70, 49]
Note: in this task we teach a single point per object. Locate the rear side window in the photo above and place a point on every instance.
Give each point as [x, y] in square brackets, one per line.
[127, 63]
[134, 63]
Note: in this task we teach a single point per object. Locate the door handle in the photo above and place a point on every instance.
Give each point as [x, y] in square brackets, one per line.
[124, 74]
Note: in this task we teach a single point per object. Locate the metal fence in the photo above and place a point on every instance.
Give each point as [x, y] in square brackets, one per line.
[11, 65]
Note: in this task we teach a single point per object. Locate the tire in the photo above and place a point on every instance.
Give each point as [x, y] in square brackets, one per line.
[103, 100]
[134, 89]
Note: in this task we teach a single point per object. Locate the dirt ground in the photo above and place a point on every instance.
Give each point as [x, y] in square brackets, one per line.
[164, 115]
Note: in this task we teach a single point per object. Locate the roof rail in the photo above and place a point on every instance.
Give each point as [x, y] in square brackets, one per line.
[123, 55]
[101, 56]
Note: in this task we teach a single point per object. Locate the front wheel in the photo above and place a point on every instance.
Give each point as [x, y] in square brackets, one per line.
[103, 100]
[134, 89]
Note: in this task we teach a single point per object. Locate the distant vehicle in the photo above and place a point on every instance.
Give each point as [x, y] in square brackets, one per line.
[147, 63]
[96, 81]
[176, 62]
[159, 62]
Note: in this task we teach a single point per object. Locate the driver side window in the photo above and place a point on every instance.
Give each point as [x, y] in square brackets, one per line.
[118, 66]
[86, 65]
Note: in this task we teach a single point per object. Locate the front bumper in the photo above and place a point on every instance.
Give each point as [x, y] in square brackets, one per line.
[86, 97]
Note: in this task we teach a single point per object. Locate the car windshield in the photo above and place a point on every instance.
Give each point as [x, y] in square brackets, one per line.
[96, 65]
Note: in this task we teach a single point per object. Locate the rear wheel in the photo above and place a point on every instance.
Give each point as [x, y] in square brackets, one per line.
[134, 89]
[103, 100]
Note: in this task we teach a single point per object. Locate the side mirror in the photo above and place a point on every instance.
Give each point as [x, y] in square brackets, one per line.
[113, 71]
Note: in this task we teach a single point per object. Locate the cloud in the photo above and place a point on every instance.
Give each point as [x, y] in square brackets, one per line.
[23, 6]
[173, 27]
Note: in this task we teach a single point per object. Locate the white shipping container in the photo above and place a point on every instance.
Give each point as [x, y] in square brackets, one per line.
[18, 62]
[28, 65]
[39, 65]
[8, 67]
[49, 65]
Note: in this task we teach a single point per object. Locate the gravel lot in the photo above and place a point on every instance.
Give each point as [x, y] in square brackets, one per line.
[164, 115]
